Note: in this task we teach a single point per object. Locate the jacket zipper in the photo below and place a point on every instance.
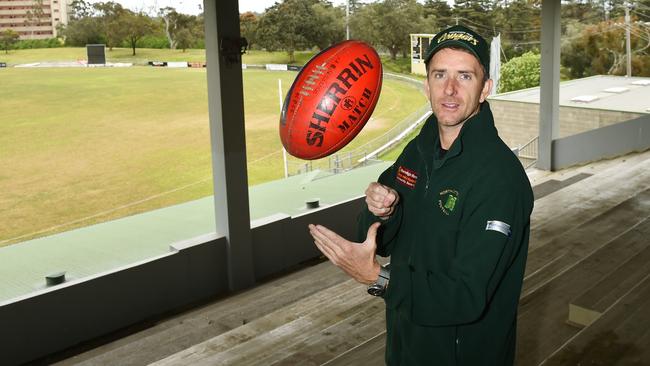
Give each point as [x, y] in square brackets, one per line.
[456, 346]
[426, 169]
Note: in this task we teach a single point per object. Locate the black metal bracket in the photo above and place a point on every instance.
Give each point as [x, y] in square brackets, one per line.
[232, 48]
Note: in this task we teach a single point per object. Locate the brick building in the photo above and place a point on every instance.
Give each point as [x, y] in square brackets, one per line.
[585, 104]
[15, 14]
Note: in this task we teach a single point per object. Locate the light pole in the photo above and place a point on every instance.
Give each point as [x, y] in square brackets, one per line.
[347, 19]
[627, 39]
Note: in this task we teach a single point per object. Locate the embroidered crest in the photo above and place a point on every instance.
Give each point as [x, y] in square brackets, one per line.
[407, 177]
[448, 200]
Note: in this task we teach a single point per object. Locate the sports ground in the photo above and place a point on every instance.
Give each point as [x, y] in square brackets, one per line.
[85, 145]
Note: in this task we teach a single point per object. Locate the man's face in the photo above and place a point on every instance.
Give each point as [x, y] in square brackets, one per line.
[454, 86]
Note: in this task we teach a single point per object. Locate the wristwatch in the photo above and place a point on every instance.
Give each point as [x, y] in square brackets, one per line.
[379, 287]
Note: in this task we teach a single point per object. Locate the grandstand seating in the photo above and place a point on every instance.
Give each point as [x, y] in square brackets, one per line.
[584, 301]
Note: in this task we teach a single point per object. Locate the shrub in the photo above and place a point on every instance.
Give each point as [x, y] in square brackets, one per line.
[520, 73]
[152, 41]
[38, 43]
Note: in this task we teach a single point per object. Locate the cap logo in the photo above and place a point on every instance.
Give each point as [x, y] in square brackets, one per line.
[458, 36]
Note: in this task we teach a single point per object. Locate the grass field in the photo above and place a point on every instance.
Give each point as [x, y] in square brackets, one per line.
[80, 146]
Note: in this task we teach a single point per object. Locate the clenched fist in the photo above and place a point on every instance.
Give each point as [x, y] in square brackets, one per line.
[381, 200]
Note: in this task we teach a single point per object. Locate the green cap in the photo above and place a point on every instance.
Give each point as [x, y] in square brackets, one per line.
[461, 36]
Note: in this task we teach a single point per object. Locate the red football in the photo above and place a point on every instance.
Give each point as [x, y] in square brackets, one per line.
[330, 100]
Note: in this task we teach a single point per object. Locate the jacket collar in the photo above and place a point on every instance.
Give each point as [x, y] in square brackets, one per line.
[428, 141]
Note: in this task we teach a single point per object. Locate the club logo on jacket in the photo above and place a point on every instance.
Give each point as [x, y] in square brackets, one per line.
[407, 177]
[448, 200]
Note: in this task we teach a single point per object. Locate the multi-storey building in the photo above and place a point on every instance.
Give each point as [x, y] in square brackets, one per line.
[33, 19]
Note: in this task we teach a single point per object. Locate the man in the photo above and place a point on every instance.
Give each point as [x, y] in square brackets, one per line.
[453, 213]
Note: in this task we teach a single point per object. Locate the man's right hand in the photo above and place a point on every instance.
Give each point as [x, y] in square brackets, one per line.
[381, 200]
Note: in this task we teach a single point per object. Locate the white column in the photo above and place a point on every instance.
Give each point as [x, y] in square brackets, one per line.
[226, 109]
[549, 103]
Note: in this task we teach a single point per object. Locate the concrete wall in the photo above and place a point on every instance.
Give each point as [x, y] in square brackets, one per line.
[605, 142]
[280, 242]
[195, 270]
[82, 310]
[518, 122]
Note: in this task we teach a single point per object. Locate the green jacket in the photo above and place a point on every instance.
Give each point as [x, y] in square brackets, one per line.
[458, 241]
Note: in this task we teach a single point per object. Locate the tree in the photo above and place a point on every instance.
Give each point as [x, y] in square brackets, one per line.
[288, 25]
[388, 24]
[8, 38]
[111, 16]
[184, 39]
[519, 23]
[175, 22]
[520, 73]
[167, 15]
[598, 49]
[476, 14]
[331, 25]
[198, 30]
[83, 31]
[248, 23]
[354, 6]
[136, 26]
[439, 15]
[592, 11]
[80, 9]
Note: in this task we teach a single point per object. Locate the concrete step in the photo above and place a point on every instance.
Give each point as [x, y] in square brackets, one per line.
[537, 176]
[591, 304]
[365, 322]
[370, 353]
[552, 259]
[166, 337]
[619, 337]
[543, 313]
[571, 206]
[251, 343]
[553, 185]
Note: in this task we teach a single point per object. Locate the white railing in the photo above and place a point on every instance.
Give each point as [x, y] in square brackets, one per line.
[527, 153]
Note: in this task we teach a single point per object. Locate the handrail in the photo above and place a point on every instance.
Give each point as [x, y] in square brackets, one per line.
[527, 153]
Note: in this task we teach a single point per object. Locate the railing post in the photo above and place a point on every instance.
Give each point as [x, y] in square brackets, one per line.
[336, 164]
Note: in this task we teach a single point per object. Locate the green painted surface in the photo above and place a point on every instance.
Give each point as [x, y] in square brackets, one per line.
[289, 195]
[102, 247]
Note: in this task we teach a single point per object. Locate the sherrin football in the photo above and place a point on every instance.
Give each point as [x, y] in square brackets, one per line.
[330, 100]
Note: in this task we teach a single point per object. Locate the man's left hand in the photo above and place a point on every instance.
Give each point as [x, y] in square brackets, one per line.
[355, 259]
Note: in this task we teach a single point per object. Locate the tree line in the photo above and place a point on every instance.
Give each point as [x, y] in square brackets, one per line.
[115, 26]
[593, 31]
